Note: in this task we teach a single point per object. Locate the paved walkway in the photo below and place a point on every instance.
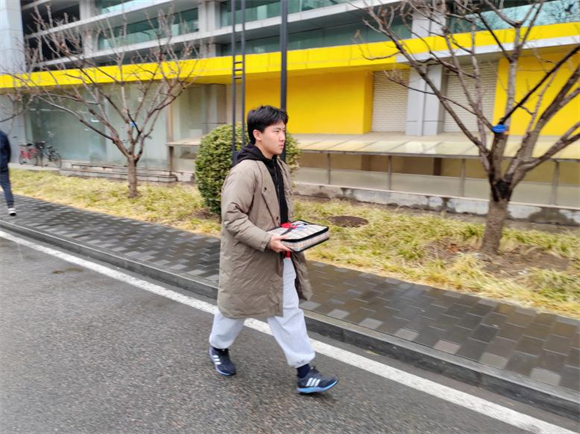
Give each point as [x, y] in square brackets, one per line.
[523, 343]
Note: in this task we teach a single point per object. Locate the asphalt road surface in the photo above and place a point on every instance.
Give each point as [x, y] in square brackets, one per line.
[83, 352]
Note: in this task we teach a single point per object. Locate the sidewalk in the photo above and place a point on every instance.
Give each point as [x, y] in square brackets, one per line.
[530, 356]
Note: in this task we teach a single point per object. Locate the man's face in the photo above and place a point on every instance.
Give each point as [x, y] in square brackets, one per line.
[271, 141]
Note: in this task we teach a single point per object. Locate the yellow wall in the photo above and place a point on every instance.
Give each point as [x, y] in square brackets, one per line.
[342, 58]
[530, 72]
[333, 103]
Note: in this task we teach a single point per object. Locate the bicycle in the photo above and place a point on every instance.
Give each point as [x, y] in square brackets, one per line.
[47, 151]
[28, 154]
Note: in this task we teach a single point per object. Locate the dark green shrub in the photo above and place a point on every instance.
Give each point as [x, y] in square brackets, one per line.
[214, 161]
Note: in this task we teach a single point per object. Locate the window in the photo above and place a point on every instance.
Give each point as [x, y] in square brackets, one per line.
[60, 15]
[107, 6]
[263, 9]
[552, 12]
[255, 10]
[144, 31]
[325, 37]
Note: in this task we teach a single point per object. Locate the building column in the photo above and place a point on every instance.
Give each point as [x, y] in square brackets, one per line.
[11, 60]
[11, 37]
[208, 49]
[208, 15]
[208, 19]
[88, 9]
[425, 114]
[215, 107]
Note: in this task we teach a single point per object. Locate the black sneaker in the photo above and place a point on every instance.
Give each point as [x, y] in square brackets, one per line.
[315, 382]
[221, 361]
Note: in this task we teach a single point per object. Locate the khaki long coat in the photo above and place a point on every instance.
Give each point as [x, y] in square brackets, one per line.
[250, 277]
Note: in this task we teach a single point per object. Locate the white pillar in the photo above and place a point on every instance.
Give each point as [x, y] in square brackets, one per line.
[423, 26]
[207, 49]
[11, 60]
[208, 15]
[87, 10]
[11, 37]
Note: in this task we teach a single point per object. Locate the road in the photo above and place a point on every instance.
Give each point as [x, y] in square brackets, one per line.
[84, 352]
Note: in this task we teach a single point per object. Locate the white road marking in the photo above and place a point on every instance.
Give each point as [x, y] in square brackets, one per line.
[437, 390]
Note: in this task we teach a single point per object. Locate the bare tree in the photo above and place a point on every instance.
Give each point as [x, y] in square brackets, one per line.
[13, 106]
[459, 58]
[13, 103]
[118, 95]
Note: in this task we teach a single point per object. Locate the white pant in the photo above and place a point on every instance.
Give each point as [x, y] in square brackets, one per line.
[288, 329]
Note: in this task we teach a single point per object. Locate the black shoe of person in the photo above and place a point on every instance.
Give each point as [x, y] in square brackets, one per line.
[221, 361]
[315, 382]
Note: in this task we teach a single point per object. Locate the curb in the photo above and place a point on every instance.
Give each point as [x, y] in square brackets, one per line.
[553, 399]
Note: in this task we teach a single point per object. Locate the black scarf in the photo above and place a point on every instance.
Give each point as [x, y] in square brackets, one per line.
[252, 152]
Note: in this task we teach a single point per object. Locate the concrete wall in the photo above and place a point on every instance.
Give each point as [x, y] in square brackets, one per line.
[456, 205]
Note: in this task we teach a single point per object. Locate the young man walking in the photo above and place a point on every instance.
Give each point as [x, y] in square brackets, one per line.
[5, 153]
[259, 276]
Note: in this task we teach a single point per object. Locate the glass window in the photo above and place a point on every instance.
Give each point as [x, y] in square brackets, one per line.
[144, 31]
[255, 10]
[307, 5]
[325, 37]
[75, 141]
[106, 6]
[72, 139]
[262, 9]
[552, 12]
[189, 113]
[188, 21]
[59, 16]
[155, 152]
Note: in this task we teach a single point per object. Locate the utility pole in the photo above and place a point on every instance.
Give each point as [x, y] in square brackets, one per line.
[284, 62]
[238, 73]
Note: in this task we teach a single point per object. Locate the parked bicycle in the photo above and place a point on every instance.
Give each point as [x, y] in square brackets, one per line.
[28, 154]
[39, 153]
[48, 153]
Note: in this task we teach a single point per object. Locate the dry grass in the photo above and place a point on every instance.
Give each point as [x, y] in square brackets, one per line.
[178, 206]
[535, 269]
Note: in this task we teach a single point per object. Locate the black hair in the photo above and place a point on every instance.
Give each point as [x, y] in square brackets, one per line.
[262, 117]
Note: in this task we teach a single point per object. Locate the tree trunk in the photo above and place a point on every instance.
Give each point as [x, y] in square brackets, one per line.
[496, 215]
[132, 176]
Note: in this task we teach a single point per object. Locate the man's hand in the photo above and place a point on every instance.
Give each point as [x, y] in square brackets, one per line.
[276, 244]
